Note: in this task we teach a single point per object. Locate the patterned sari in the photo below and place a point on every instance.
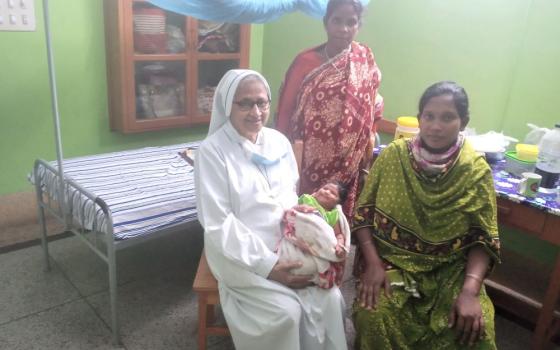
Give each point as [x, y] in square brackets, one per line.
[423, 227]
[333, 114]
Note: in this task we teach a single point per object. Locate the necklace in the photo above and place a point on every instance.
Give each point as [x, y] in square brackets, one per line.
[330, 59]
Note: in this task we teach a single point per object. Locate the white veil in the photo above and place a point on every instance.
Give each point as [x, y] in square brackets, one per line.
[223, 97]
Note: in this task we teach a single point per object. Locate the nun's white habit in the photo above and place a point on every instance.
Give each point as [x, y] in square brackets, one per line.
[242, 190]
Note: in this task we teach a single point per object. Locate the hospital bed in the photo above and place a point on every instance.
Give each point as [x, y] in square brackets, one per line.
[115, 200]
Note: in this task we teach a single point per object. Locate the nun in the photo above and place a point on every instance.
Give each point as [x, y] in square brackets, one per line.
[246, 176]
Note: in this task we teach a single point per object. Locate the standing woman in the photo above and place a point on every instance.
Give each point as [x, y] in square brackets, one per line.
[329, 101]
[245, 177]
[427, 233]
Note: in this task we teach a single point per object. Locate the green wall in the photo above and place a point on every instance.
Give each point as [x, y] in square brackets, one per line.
[535, 87]
[79, 52]
[257, 37]
[504, 52]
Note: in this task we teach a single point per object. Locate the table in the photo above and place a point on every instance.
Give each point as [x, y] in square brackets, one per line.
[538, 217]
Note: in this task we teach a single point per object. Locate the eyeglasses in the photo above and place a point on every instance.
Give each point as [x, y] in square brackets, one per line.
[247, 105]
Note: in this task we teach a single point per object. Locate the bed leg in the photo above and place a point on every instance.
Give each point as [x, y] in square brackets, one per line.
[44, 242]
[42, 223]
[113, 293]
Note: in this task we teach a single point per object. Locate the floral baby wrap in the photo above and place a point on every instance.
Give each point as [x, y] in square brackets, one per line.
[309, 237]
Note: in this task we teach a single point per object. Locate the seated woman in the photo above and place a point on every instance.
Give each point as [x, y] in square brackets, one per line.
[245, 176]
[317, 233]
[427, 233]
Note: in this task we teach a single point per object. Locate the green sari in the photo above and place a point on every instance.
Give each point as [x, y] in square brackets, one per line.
[423, 228]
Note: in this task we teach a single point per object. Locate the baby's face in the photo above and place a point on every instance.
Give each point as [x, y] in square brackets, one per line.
[327, 196]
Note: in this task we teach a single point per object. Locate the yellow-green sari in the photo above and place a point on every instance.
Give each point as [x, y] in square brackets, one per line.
[423, 228]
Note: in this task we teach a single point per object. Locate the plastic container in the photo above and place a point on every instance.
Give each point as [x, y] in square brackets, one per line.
[494, 157]
[407, 127]
[527, 152]
[548, 162]
[517, 166]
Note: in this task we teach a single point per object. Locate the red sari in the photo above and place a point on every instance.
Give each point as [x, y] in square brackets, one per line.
[332, 107]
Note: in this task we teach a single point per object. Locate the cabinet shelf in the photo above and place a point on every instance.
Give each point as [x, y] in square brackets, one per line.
[160, 57]
[162, 68]
[213, 56]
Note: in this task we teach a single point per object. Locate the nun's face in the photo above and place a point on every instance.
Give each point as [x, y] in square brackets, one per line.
[250, 108]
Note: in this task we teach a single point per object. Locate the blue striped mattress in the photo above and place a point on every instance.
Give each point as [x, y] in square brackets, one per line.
[147, 189]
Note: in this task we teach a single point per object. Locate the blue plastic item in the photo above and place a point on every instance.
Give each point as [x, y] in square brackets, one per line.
[244, 11]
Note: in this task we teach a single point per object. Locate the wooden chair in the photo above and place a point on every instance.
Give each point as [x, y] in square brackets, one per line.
[206, 288]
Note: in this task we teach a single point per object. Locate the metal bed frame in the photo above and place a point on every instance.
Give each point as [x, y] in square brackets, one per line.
[102, 242]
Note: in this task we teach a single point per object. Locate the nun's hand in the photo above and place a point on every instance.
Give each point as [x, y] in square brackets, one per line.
[281, 274]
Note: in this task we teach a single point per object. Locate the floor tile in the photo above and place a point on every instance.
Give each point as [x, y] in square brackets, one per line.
[26, 288]
[164, 306]
[70, 326]
[89, 273]
[157, 307]
[510, 335]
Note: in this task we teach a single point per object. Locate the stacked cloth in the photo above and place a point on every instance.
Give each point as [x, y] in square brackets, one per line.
[149, 30]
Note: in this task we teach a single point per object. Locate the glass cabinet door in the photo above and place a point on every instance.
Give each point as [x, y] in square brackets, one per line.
[209, 74]
[157, 31]
[216, 37]
[160, 89]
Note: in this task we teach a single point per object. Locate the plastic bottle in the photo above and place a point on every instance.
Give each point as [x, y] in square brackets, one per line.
[548, 162]
[407, 127]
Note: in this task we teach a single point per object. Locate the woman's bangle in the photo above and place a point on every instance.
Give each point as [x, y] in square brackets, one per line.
[364, 171]
[474, 277]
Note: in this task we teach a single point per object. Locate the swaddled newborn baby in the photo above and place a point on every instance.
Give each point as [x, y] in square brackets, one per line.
[316, 233]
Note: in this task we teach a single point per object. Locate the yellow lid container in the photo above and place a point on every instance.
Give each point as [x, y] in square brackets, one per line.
[527, 152]
[407, 127]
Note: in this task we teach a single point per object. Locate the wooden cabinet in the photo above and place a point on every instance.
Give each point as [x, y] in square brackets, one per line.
[162, 68]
